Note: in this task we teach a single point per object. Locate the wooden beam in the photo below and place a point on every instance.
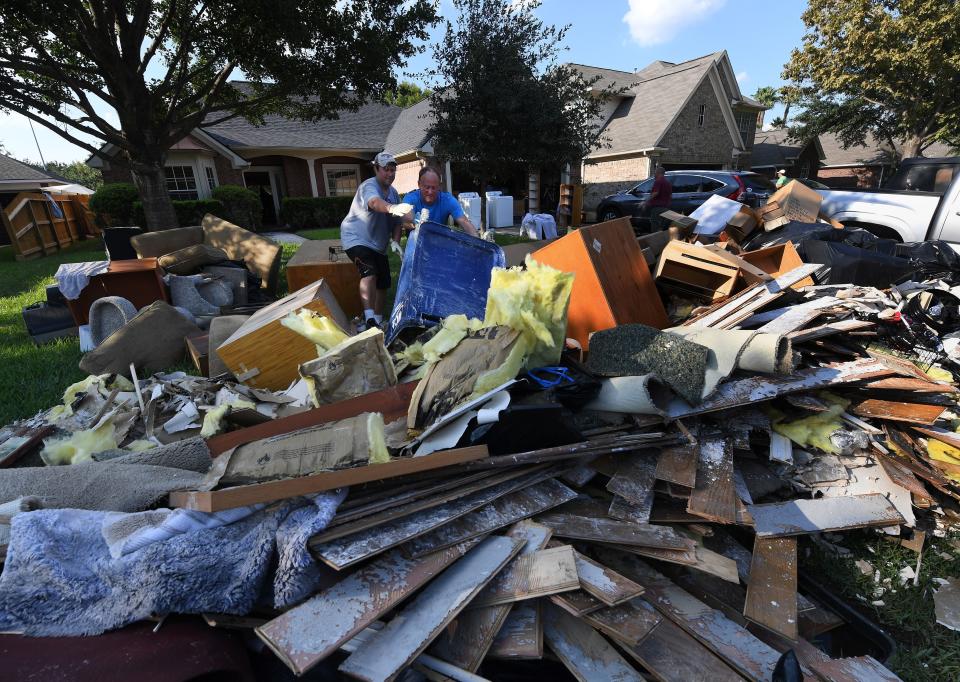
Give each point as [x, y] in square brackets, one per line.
[585, 653]
[609, 530]
[715, 497]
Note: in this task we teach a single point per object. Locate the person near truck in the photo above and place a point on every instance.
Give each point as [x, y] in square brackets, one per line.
[659, 200]
[782, 178]
[439, 205]
[373, 225]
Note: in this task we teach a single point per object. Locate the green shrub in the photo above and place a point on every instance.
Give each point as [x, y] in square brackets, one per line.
[189, 211]
[240, 206]
[302, 213]
[113, 205]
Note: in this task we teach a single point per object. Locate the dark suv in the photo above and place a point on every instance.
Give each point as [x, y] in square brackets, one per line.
[690, 189]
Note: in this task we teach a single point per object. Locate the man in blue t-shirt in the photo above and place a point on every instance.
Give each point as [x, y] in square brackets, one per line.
[440, 205]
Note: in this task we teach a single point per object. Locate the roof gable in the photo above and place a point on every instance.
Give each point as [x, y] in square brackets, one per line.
[12, 170]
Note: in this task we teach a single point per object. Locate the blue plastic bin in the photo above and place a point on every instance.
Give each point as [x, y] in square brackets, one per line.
[443, 273]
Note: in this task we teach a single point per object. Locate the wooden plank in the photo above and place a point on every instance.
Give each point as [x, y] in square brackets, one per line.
[468, 639]
[308, 633]
[910, 384]
[426, 665]
[21, 441]
[715, 496]
[542, 573]
[684, 557]
[367, 499]
[914, 413]
[577, 602]
[634, 513]
[411, 631]
[627, 623]
[243, 495]
[745, 653]
[854, 670]
[772, 590]
[585, 653]
[678, 464]
[798, 517]
[838, 327]
[348, 550]
[604, 583]
[756, 389]
[609, 530]
[499, 513]
[521, 636]
[634, 478]
[672, 655]
[900, 474]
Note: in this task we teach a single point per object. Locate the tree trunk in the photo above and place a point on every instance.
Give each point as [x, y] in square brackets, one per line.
[158, 210]
[912, 146]
[786, 114]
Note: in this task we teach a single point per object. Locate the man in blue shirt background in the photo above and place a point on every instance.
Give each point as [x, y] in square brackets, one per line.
[440, 205]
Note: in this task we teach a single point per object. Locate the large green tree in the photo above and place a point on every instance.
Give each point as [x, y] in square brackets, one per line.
[887, 68]
[164, 67]
[500, 98]
[407, 94]
[77, 172]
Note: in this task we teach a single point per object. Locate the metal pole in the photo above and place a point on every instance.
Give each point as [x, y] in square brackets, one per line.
[36, 142]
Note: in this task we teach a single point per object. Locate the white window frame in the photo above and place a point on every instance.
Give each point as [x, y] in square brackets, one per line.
[196, 179]
[205, 165]
[701, 115]
[744, 119]
[355, 167]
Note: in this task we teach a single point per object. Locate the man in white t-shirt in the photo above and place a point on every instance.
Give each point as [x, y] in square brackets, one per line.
[373, 223]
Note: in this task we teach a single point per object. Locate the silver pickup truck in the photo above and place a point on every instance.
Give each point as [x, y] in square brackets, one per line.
[921, 202]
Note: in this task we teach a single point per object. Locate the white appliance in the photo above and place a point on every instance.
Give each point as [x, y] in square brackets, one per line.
[499, 211]
[470, 202]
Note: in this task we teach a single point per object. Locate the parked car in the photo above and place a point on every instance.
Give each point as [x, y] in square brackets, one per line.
[690, 189]
[813, 184]
[921, 201]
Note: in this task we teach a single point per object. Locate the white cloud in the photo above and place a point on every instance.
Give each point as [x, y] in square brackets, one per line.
[742, 77]
[653, 22]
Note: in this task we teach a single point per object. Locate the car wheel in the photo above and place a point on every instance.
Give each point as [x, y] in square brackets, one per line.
[609, 214]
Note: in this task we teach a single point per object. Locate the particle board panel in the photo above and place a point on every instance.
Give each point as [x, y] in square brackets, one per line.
[634, 478]
[585, 653]
[678, 464]
[540, 574]
[914, 413]
[622, 510]
[772, 589]
[411, 631]
[312, 262]
[798, 517]
[627, 623]
[351, 549]
[270, 491]
[604, 583]
[521, 504]
[521, 636]
[264, 354]
[739, 648]
[672, 655]
[715, 497]
[610, 530]
[308, 633]
[467, 640]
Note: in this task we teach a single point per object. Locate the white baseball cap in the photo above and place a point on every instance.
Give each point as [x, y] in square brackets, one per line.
[384, 159]
[781, 172]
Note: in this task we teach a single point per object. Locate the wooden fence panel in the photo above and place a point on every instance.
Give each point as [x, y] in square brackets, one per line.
[35, 228]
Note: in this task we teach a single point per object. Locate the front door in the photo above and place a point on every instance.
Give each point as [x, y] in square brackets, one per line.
[266, 184]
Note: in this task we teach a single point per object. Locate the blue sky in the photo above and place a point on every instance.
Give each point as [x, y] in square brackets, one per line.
[616, 34]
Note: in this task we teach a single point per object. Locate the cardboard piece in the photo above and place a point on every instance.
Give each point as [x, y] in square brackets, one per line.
[198, 349]
[358, 366]
[742, 224]
[713, 215]
[612, 283]
[777, 261]
[264, 354]
[684, 223]
[696, 271]
[793, 201]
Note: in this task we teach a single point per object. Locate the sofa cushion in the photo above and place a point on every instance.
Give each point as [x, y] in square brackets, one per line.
[261, 255]
[191, 259]
[161, 242]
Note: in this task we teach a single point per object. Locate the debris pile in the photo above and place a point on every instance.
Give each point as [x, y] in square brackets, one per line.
[610, 471]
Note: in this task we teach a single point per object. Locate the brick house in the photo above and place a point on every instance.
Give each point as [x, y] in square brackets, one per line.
[864, 166]
[772, 151]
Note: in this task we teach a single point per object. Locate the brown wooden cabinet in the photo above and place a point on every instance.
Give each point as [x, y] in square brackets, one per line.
[139, 281]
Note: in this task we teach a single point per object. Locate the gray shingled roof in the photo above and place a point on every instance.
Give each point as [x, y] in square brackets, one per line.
[409, 131]
[772, 148]
[610, 79]
[873, 153]
[11, 170]
[365, 129]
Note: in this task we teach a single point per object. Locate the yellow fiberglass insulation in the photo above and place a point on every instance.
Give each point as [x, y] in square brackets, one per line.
[815, 430]
[213, 419]
[534, 302]
[321, 330]
[376, 440]
[498, 376]
[453, 329]
[81, 446]
[74, 391]
[944, 453]
[140, 445]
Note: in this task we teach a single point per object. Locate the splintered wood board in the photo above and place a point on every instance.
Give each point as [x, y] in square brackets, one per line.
[685, 557]
[756, 389]
[678, 464]
[348, 550]
[521, 635]
[604, 583]
[609, 530]
[745, 653]
[542, 573]
[499, 513]
[910, 384]
[586, 654]
[468, 639]
[854, 669]
[308, 633]
[627, 623]
[271, 491]
[772, 590]
[823, 330]
[579, 476]
[715, 497]
[411, 631]
[903, 476]
[672, 655]
[798, 517]
[577, 602]
[914, 413]
[634, 478]
[622, 510]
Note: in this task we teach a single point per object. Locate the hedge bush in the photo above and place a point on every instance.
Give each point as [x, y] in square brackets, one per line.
[114, 205]
[189, 211]
[302, 213]
[241, 206]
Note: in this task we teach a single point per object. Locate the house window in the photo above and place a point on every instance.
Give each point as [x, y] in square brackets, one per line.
[341, 180]
[745, 122]
[181, 183]
[703, 108]
[211, 180]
